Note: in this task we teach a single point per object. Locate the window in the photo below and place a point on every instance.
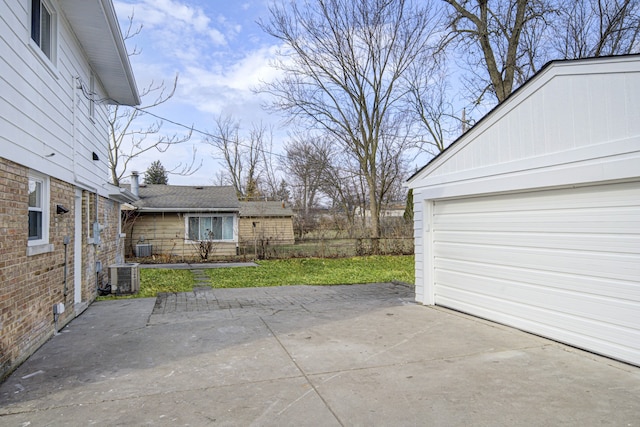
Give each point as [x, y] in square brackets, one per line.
[35, 209]
[210, 228]
[42, 25]
[38, 209]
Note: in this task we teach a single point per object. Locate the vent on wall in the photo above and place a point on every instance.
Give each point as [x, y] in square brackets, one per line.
[124, 278]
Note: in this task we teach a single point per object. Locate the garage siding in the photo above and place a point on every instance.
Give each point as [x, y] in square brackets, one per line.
[561, 263]
[419, 241]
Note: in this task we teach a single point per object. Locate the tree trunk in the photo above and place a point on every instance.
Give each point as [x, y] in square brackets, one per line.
[374, 207]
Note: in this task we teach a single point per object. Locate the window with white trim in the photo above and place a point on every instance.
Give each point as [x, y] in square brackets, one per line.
[210, 227]
[38, 209]
[43, 27]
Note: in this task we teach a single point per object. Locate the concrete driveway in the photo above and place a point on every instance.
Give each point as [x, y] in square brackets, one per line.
[343, 355]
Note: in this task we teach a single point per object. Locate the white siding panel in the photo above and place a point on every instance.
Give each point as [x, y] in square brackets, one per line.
[565, 108]
[419, 245]
[581, 120]
[631, 103]
[617, 107]
[561, 263]
[37, 103]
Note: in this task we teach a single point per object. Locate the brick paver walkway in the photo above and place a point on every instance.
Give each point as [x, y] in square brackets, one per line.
[208, 299]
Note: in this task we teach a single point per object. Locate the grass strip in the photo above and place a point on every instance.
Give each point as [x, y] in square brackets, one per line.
[316, 271]
[296, 271]
[155, 280]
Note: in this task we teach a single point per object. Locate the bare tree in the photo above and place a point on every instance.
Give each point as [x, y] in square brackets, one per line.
[284, 193]
[489, 34]
[504, 42]
[220, 179]
[226, 141]
[429, 102]
[305, 164]
[342, 67]
[343, 184]
[242, 157]
[271, 184]
[597, 28]
[254, 156]
[128, 141]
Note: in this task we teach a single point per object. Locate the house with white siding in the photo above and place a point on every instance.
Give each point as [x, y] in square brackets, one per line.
[532, 217]
[62, 62]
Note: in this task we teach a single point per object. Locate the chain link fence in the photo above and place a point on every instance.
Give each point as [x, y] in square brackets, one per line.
[274, 249]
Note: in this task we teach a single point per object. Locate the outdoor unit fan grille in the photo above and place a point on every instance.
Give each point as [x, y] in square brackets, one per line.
[124, 278]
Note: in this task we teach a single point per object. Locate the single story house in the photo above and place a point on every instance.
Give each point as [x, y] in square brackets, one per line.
[63, 62]
[176, 220]
[532, 217]
[173, 220]
[266, 221]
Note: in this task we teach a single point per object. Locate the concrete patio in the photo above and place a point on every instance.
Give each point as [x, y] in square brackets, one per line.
[308, 355]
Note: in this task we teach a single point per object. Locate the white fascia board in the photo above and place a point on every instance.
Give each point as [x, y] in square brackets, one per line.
[621, 167]
[189, 210]
[121, 195]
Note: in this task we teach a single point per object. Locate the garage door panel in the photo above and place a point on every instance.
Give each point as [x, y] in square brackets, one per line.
[574, 303]
[596, 264]
[547, 221]
[612, 340]
[604, 287]
[577, 241]
[561, 263]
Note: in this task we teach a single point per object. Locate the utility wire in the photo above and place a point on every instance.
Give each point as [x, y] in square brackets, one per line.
[205, 133]
[91, 96]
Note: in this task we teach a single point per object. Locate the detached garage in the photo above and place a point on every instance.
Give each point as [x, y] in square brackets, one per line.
[532, 218]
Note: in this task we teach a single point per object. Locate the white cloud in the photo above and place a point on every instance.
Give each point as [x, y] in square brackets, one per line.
[220, 60]
[218, 88]
[172, 24]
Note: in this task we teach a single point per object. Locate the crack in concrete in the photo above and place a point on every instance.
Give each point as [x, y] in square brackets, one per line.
[311, 384]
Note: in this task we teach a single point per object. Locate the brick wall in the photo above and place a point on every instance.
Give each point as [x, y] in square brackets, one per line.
[31, 285]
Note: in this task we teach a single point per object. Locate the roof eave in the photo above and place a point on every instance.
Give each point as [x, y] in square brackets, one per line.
[95, 24]
[123, 196]
[188, 210]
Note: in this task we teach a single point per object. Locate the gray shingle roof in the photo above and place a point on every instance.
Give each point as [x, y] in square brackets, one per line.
[264, 209]
[187, 198]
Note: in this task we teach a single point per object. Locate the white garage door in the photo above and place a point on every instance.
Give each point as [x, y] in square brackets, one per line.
[564, 264]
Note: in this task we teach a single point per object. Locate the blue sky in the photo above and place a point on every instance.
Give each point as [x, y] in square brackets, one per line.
[220, 54]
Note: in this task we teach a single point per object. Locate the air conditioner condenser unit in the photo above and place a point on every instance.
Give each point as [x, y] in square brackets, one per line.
[124, 278]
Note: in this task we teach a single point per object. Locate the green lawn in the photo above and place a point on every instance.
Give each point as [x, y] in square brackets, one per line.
[316, 271]
[297, 271]
[154, 280]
